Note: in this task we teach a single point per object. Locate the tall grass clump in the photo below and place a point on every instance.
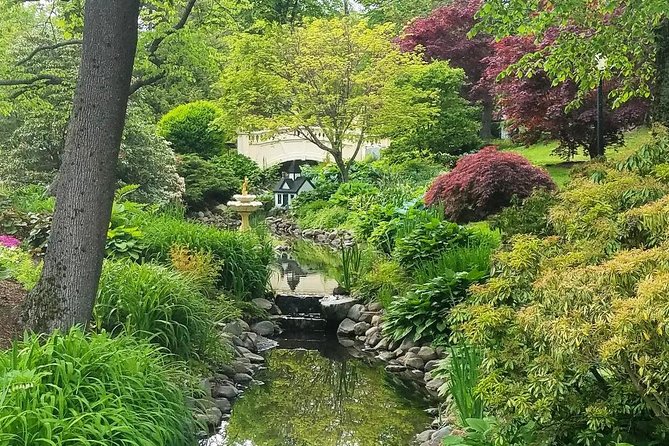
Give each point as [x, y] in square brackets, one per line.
[161, 305]
[76, 389]
[245, 257]
[463, 373]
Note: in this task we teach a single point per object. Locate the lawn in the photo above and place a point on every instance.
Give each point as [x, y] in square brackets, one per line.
[541, 154]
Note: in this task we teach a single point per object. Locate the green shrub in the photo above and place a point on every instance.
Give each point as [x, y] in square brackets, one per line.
[82, 389]
[152, 302]
[528, 216]
[422, 312]
[331, 217]
[208, 183]
[20, 266]
[241, 166]
[460, 258]
[147, 160]
[385, 279]
[462, 373]
[427, 241]
[192, 128]
[350, 191]
[245, 256]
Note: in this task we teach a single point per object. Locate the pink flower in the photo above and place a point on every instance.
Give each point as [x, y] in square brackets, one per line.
[9, 242]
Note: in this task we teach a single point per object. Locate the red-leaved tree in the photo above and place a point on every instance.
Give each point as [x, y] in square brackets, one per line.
[535, 109]
[443, 36]
[483, 183]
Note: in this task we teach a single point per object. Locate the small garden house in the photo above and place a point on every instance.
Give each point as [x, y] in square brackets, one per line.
[291, 185]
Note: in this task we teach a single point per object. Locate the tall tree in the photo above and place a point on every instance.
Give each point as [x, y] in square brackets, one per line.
[335, 83]
[444, 35]
[628, 33]
[65, 293]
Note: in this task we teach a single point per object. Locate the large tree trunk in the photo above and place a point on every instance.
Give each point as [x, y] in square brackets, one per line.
[660, 112]
[486, 120]
[66, 291]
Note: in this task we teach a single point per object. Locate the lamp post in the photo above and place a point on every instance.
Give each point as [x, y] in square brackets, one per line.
[601, 67]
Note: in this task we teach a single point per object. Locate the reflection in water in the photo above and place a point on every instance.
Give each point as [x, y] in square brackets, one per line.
[291, 276]
[313, 400]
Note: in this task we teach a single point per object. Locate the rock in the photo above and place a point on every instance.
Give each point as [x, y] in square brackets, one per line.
[241, 367]
[263, 304]
[406, 344]
[376, 320]
[414, 362]
[441, 433]
[223, 405]
[383, 344]
[346, 328]
[205, 385]
[374, 338]
[414, 350]
[263, 328]
[275, 310]
[335, 309]
[427, 354]
[395, 368]
[428, 376]
[361, 328]
[371, 331]
[234, 328]
[431, 365]
[416, 374]
[214, 417]
[243, 350]
[361, 338]
[375, 306]
[346, 342]
[425, 435]
[386, 356]
[355, 312]
[225, 391]
[256, 359]
[244, 325]
[434, 385]
[242, 378]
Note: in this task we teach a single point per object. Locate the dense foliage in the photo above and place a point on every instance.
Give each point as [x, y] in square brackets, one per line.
[483, 183]
[207, 182]
[86, 389]
[572, 325]
[192, 128]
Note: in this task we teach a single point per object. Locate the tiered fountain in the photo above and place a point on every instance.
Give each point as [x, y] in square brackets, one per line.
[245, 204]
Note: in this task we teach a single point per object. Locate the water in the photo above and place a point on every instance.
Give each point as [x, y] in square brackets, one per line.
[289, 276]
[319, 395]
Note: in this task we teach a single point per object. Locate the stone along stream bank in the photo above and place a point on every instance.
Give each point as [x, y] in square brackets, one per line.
[306, 386]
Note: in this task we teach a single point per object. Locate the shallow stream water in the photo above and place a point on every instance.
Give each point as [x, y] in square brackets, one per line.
[316, 394]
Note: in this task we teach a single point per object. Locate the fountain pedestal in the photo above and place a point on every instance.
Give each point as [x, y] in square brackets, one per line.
[245, 204]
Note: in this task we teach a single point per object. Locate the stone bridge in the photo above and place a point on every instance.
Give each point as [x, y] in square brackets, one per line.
[285, 147]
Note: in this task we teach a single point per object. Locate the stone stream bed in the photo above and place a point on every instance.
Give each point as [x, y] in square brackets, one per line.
[303, 385]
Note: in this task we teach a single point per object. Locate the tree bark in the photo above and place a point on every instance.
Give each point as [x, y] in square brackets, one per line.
[486, 120]
[65, 294]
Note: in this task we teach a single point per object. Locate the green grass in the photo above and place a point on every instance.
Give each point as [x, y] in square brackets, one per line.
[79, 389]
[540, 154]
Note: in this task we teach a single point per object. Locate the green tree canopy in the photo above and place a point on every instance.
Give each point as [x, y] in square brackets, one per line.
[333, 82]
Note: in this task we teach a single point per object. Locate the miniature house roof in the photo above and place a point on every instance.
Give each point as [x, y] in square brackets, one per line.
[288, 186]
[294, 168]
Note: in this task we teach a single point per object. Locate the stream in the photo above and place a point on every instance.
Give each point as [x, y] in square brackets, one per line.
[316, 394]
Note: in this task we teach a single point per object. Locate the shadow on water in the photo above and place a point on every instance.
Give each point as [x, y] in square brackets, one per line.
[292, 276]
[316, 394]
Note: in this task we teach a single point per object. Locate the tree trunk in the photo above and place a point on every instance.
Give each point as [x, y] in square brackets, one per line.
[660, 109]
[66, 291]
[486, 120]
[342, 166]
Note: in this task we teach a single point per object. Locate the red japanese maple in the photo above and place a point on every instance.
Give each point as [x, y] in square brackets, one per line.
[483, 183]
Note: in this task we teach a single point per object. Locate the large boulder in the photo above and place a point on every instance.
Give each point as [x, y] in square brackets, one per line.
[263, 328]
[335, 309]
[356, 312]
[346, 328]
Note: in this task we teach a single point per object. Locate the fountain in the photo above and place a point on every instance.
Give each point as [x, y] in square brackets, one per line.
[245, 205]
